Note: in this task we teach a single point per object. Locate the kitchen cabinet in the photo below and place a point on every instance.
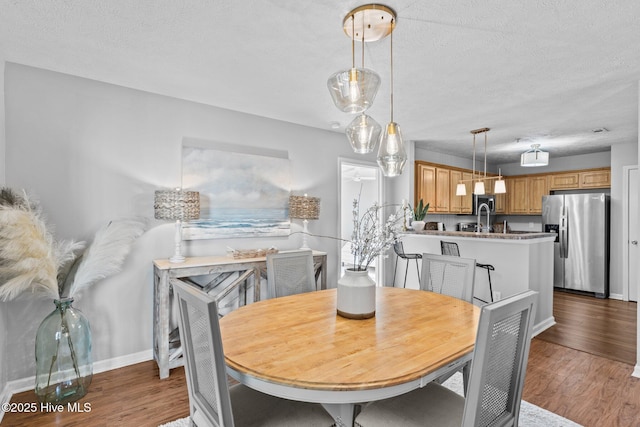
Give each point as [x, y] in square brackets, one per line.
[432, 186]
[564, 181]
[524, 194]
[460, 204]
[597, 178]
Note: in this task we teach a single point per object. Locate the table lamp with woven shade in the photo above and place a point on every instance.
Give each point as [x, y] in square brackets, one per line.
[304, 208]
[177, 205]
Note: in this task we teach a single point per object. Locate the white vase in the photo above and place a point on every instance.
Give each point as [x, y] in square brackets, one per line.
[418, 225]
[356, 295]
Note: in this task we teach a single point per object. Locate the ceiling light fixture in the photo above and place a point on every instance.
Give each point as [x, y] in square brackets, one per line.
[478, 188]
[392, 155]
[479, 183]
[500, 186]
[353, 90]
[534, 157]
[363, 132]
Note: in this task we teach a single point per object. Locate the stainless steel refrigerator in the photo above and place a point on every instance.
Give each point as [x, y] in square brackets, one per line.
[581, 249]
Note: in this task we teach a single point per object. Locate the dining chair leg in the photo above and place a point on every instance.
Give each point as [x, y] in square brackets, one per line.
[418, 271]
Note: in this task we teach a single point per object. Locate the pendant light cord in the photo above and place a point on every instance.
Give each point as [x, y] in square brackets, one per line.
[485, 154]
[362, 44]
[391, 38]
[353, 42]
[474, 158]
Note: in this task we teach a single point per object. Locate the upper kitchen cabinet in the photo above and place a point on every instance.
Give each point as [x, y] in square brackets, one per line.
[593, 178]
[432, 186]
[524, 194]
[460, 204]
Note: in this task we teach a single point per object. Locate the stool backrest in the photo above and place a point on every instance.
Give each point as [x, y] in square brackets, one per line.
[449, 248]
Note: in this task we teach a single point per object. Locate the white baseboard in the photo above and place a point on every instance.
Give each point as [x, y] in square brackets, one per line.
[543, 326]
[616, 296]
[636, 372]
[24, 384]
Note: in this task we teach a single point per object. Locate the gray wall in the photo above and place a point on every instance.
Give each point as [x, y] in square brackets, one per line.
[92, 152]
[3, 308]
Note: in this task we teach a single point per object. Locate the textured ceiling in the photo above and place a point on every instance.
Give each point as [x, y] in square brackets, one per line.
[546, 71]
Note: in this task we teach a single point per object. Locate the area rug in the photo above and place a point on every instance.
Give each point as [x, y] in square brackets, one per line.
[530, 415]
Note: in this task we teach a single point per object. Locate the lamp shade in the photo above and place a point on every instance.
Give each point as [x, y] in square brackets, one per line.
[176, 205]
[534, 157]
[304, 207]
[353, 90]
[363, 134]
[479, 188]
[499, 187]
[391, 154]
[461, 189]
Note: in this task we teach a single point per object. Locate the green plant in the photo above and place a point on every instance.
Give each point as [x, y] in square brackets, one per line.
[420, 211]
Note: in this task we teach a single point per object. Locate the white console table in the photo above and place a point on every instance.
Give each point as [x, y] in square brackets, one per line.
[223, 271]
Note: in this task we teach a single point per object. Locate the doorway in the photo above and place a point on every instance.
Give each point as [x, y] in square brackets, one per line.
[358, 180]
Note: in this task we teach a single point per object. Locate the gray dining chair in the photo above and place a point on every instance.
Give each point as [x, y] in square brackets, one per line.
[453, 276]
[497, 377]
[212, 402]
[290, 273]
[448, 275]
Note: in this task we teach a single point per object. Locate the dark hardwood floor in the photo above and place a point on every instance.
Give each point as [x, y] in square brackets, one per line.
[582, 386]
[604, 327]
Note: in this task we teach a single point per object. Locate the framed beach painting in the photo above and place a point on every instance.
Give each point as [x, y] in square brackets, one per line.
[244, 191]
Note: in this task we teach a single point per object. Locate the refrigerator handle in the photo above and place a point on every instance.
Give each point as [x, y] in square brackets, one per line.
[564, 250]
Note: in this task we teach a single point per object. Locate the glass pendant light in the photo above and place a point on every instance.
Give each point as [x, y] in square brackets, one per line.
[392, 155]
[363, 132]
[353, 90]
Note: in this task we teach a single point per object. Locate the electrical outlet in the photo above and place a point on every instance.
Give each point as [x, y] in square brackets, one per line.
[497, 296]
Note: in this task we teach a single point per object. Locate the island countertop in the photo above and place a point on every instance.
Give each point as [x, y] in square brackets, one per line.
[521, 261]
[513, 235]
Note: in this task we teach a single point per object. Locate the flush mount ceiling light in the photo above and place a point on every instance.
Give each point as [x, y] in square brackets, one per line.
[534, 157]
[354, 90]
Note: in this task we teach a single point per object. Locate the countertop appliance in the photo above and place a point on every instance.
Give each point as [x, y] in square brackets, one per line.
[581, 249]
[467, 226]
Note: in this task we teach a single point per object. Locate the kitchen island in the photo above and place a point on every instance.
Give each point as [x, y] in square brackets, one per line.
[522, 261]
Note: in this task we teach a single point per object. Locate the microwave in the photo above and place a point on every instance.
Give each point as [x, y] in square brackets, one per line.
[488, 199]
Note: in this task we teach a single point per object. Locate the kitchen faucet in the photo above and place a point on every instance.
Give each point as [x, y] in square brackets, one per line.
[478, 227]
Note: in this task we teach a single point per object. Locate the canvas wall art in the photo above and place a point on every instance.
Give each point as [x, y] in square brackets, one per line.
[244, 191]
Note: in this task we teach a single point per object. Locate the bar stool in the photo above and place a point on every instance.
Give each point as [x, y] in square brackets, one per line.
[399, 250]
[451, 248]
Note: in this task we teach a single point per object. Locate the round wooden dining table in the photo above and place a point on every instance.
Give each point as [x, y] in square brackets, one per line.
[297, 347]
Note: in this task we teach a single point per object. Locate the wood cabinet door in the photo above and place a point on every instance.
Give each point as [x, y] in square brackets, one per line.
[537, 188]
[595, 179]
[425, 185]
[455, 202]
[518, 195]
[442, 190]
[564, 181]
[467, 201]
